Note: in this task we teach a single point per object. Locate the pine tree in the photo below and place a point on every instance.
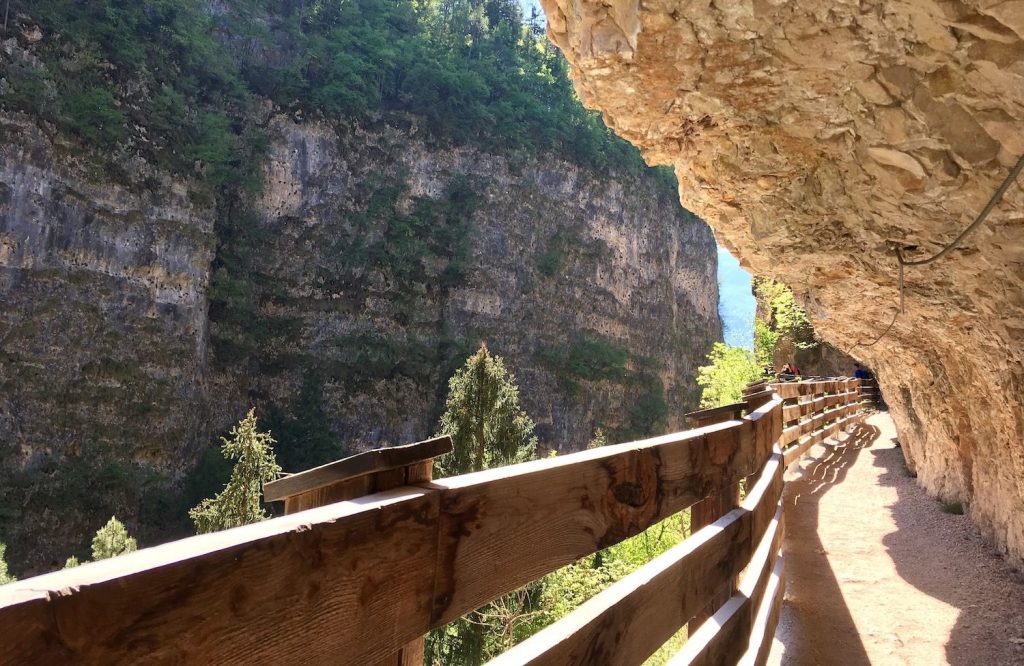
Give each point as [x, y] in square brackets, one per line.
[111, 540]
[5, 576]
[488, 429]
[239, 502]
[482, 414]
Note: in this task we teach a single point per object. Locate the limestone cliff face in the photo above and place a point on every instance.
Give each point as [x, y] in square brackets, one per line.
[810, 136]
[599, 292]
[137, 325]
[102, 339]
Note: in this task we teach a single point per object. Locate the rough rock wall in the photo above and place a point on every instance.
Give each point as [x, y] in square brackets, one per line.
[810, 135]
[562, 269]
[102, 340]
[136, 326]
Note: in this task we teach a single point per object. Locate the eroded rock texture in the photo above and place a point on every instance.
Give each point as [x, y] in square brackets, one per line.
[810, 135]
[137, 324]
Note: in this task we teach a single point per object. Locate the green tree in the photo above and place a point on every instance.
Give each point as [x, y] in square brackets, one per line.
[112, 540]
[784, 318]
[488, 429]
[482, 414]
[71, 562]
[5, 576]
[729, 369]
[239, 502]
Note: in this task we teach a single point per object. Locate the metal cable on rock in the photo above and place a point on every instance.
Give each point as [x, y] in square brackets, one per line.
[1010, 177]
[901, 262]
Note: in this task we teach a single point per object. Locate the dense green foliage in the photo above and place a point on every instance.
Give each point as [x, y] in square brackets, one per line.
[482, 414]
[785, 319]
[729, 369]
[239, 502]
[594, 358]
[5, 576]
[177, 83]
[112, 540]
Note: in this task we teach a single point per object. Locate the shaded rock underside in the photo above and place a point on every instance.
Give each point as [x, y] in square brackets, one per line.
[812, 135]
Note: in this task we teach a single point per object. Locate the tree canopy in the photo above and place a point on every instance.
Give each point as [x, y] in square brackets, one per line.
[179, 84]
[112, 540]
[239, 502]
[729, 369]
[482, 414]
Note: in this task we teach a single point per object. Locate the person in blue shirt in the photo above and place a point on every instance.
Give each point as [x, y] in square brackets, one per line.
[861, 372]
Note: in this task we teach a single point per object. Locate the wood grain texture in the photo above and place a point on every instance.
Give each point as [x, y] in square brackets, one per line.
[369, 575]
[368, 462]
[755, 400]
[504, 528]
[766, 620]
[705, 417]
[725, 638]
[793, 453]
[629, 621]
[255, 594]
[410, 654]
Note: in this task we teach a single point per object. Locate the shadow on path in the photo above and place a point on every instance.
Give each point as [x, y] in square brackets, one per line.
[812, 632]
[943, 556]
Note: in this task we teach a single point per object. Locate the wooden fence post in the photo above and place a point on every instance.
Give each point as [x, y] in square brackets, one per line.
[712, 508]
[363, 474]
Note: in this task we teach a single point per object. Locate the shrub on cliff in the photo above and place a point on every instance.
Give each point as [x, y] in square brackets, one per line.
[5, 576]
[729, 369]
[112, 540]
[239, 502]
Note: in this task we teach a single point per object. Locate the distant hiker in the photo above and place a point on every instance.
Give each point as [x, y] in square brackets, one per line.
[787, 370]
[860, 372]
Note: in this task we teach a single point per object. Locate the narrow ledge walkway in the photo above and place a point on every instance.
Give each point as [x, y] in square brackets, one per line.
[877, 573]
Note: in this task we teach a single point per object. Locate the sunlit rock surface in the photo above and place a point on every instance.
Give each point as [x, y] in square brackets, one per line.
[812, 134]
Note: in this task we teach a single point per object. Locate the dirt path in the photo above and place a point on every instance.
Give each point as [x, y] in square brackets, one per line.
[878, 574]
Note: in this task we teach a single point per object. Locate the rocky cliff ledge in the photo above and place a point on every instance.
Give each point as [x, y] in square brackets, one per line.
[136, 324]
[381, 262]
[810, 136]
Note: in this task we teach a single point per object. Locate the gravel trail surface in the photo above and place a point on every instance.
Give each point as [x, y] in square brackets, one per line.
[878, 573]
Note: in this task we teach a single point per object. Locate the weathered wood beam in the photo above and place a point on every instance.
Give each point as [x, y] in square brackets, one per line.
[629, 621]
[369, 575]
[349, 470]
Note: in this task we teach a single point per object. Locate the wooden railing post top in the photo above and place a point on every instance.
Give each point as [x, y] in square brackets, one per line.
[705, 417]
[361, 464]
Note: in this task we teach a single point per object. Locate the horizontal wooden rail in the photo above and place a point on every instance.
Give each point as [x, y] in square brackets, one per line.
[354, 581]
[815, 410]
[629, 621]
[366, 576]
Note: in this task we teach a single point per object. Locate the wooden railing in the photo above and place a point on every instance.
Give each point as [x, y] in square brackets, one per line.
[361, 580]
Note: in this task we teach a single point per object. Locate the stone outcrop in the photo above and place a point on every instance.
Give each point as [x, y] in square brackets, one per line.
[137, 325]
[563, 270]
[811, 136]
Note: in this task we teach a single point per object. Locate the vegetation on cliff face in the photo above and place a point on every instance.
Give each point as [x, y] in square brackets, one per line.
[728, 371]
[369, 292]
[179, 81]
[779, 316]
